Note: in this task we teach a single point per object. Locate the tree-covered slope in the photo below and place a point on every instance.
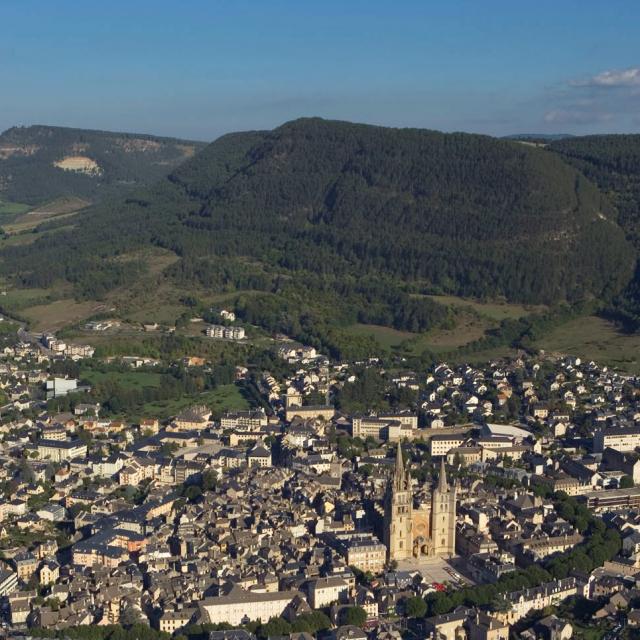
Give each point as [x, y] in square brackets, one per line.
[459, 213]
[40, 163]
[464, 213]
[612, 162]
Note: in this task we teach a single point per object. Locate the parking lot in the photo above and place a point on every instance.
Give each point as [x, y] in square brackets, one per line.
[434, 570]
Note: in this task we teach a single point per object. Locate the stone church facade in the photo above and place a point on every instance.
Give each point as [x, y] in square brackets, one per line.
[427, 531]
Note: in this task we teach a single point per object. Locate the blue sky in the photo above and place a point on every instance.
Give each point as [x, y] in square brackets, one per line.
[200, 68]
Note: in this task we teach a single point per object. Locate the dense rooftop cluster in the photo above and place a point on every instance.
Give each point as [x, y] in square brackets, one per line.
[276, 520]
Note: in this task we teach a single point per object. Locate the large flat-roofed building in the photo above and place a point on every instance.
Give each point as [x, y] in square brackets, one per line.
[509, 430]
[441, 445]
[559, 481]
[405, 418]
[251, 420]
[616, 438]
[383, 428]
[59, 450]
[495, 442]
[614, 499]
[228, 333]
[241, 606]
[311, 412]
[369, 426]
[386, 426]
[59, 387]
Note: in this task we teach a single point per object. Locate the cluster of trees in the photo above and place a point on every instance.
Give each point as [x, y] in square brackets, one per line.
[365, 394]
[468, 214]
[415, 607]
[275, 627]
[318, 310]
[486, 594]
[107, 632]
[172, 347]
[118, 397]
[601, 542]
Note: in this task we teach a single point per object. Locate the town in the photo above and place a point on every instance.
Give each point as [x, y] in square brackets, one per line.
[319, 321]
[483, 501]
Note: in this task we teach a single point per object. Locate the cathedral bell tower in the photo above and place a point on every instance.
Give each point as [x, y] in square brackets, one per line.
[443, 516]
[398, 507]
[425, 532]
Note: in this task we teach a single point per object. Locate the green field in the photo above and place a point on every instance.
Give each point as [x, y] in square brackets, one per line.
[385, 336]
[18, 240]
[15, 300]
[57, 314]
[593, 338]
[13, 208]
[589, 337]
[65, 204]
[496, 311]
[137, 379]
[473, 319]
[437, 340]
[224, 398]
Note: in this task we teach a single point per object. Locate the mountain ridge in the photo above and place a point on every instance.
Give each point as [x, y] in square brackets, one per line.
[458, 213]
[42, 162]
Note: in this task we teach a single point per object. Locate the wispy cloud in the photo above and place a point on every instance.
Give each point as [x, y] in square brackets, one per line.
[609, 98]
[613, 78]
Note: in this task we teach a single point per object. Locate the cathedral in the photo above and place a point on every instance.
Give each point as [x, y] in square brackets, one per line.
[426, 531]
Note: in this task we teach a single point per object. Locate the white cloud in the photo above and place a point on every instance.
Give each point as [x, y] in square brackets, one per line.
[608, 100]
[612, 78]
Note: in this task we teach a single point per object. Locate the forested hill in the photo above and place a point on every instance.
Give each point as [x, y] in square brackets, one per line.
[40, 163]
[456, 213]
[612, 162]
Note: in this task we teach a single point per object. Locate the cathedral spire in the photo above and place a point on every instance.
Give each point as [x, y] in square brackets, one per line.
[442, 479]
[399, 473]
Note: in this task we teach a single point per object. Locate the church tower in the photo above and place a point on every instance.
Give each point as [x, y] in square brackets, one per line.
[443, 516]
[398, 507]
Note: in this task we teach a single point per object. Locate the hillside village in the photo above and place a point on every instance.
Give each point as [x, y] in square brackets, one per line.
[485, 501]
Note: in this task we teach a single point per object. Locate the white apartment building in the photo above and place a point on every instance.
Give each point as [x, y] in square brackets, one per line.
[441, 445]
[616, 438]
[240, 606]
[227, 333]
[324, 591]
